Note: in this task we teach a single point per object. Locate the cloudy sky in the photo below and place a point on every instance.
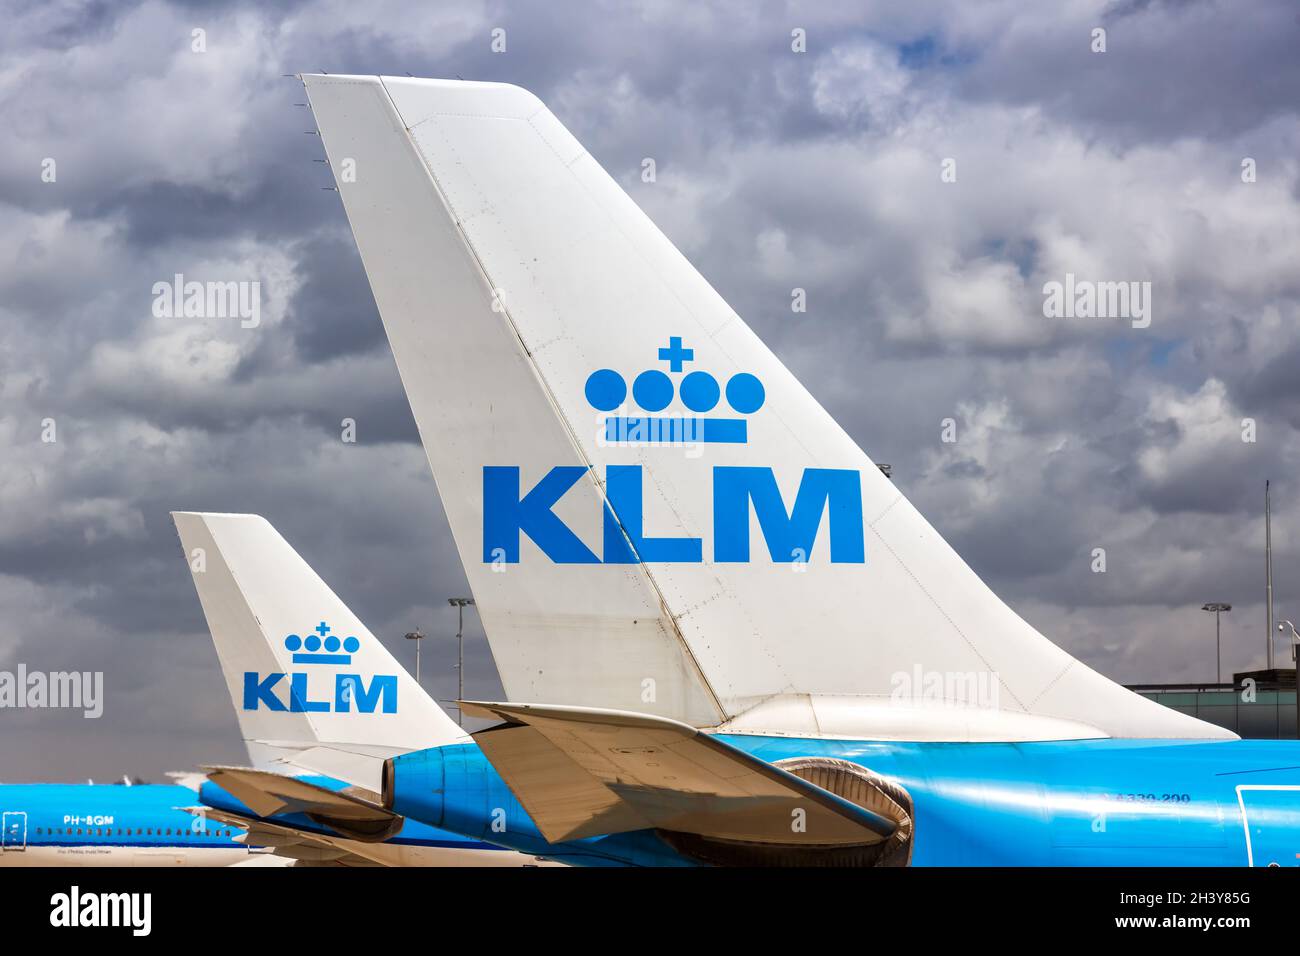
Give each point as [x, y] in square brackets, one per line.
[776, 169]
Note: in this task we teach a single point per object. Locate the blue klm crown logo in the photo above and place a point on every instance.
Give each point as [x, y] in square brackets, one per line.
[308, 650]
[351, 692]
[653, 391]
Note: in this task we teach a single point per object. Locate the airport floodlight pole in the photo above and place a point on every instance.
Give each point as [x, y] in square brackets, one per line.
[1218, 648]
[1268, 573]
[1295, 656]
[416, 636]
[459, 604]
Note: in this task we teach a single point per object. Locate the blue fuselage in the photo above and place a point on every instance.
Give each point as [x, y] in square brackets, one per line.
[1072, 803]
[84, 820]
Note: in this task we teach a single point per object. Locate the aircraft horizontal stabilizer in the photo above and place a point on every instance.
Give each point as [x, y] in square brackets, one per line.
[353, 813]
[285, 846]
[582, 772]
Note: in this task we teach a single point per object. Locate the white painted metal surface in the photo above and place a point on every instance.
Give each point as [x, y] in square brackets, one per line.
[508, 266]
[91, 855]
[256, 591]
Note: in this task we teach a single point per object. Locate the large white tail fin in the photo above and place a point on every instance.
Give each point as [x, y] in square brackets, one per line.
[311, 686]
[653, 513]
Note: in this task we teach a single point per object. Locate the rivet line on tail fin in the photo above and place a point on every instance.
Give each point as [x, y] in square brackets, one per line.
[1052, 683]
[567, 426]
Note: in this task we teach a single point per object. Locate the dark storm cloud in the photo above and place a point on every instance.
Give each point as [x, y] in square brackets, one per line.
[1197, 68]
[332, 312]
[775, 170]
[1276, 385]
[60, 26]
[160, 212]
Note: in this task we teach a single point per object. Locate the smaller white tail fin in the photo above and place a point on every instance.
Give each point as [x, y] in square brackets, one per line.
[311, 686]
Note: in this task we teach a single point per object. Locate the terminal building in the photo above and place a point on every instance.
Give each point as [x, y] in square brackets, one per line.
[1256, 705]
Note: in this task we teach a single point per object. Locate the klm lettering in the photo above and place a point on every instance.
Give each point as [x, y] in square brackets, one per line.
[350, 693]
[824, 494]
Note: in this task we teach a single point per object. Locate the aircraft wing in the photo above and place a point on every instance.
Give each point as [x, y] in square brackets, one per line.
[582, 772]
[354, 813]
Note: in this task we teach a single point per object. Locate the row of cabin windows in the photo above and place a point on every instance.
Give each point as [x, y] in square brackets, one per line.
[148, 831]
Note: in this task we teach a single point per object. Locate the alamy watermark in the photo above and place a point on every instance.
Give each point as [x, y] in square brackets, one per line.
[1085, 299]
[133, 911]
[179, 299]
[948, 688]
[22, 689]
[617, 429]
